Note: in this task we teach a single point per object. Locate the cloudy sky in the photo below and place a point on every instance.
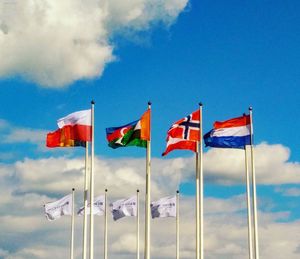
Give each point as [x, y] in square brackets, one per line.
[56, 56]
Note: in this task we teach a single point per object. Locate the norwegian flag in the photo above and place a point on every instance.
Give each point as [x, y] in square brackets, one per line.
[184, 133]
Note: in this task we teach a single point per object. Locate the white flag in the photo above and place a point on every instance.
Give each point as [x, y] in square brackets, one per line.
[98, 209]
[124, 208]
[164, 207]
[54, 210]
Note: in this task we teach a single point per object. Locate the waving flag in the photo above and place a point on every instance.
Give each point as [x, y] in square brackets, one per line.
[184, 133]
[55, 210]
[164, 207]
[98, 209]
[124, 208]
[233, 133]
[135, 133]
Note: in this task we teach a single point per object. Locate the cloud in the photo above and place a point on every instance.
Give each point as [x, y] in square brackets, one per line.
[56, 42]
[289, 192]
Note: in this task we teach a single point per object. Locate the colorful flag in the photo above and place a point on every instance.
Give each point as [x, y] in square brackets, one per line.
[55, 210]
[184, 133]
[135, 133]
[81, 124]
[124, 208]
[233, 133]
[63, 138]
[164, 207]
[98, 209]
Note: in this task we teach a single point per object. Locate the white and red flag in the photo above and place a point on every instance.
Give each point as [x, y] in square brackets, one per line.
[184, 134]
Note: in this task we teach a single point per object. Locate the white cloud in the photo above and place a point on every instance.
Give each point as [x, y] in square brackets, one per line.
[56, 42]
[290, 192]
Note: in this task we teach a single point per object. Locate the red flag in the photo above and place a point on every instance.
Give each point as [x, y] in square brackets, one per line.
[184, 133]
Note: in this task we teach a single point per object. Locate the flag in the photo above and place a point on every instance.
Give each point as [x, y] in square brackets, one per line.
[55, 210]
[98, 209]
[80, 123]
[233, 133]
[63, 138]
[135, 133]
[124, 208]
[184, 133]
[164, 207]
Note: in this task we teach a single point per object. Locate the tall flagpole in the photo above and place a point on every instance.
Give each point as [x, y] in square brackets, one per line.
[148, 198]
[85, 195]
[200, 151]
[177, 224]
[92, 186]
[256, 248]
[137, 224]
[248, 206]
[72, 225]
[105, 226]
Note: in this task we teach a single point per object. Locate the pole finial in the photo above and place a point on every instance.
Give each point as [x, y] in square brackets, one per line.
[177, 191]
[105, 190]
[149, 103]
[73, 189]
[200, 104]
[137, 190]
[250, 108]
[92, 102]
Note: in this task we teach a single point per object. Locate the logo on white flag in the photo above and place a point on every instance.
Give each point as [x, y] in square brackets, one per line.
[124, 208]
[54, 210]
[164, 207]
[98, 209]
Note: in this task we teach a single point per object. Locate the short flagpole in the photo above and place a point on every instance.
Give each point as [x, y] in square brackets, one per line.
[72, 225]
[254, 189]
[177, 224]
[105, 226]
[201, 185]
[248, 206]
[137, 224]
[148, 198]
[92, 186]
[85, 195]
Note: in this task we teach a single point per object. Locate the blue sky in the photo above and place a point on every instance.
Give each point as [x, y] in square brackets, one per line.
[227, 54]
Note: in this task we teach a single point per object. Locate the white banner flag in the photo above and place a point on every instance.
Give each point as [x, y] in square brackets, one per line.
[54, 210]
[164, 207]
[124, 208]
[98, 209]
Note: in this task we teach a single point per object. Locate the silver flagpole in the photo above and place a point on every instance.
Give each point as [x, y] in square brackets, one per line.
[148, 198]
[105, 226]
[201, 185]
[197, 204]
[85, 195]
[92, 186]
[177, 225]
[254, 189]
[248, 206]
[137, 225]
[72, 225]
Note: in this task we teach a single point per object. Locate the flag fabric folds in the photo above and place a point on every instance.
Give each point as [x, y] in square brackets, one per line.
[80, 123]
[184, 133]
[233, 133]
[124, 208]
[98, 209]
[135, 133]
[55, 210]
[164, 207]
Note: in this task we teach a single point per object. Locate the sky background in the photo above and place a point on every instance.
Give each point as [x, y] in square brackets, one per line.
[57, 56]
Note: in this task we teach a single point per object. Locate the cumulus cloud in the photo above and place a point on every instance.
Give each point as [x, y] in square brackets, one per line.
[56, 42]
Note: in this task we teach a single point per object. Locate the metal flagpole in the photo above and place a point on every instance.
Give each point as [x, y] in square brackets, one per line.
[200, 164]
[248, 206]
[92, 186]
[85, 195]
[148, 198]
[105, 226]
[72, 225]
[177, 224]
[137, 225]
[256, 248]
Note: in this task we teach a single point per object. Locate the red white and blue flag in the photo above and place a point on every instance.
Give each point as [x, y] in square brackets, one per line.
[233, 133]
[184, 133]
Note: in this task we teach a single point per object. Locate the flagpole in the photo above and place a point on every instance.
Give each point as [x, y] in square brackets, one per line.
[177, 224]
[248, 206]
[92, 186]
[201, 185]
[148, 198]
[72, 225]
[105, 226]
[85, 195]
[256, 248]
[137, 225]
